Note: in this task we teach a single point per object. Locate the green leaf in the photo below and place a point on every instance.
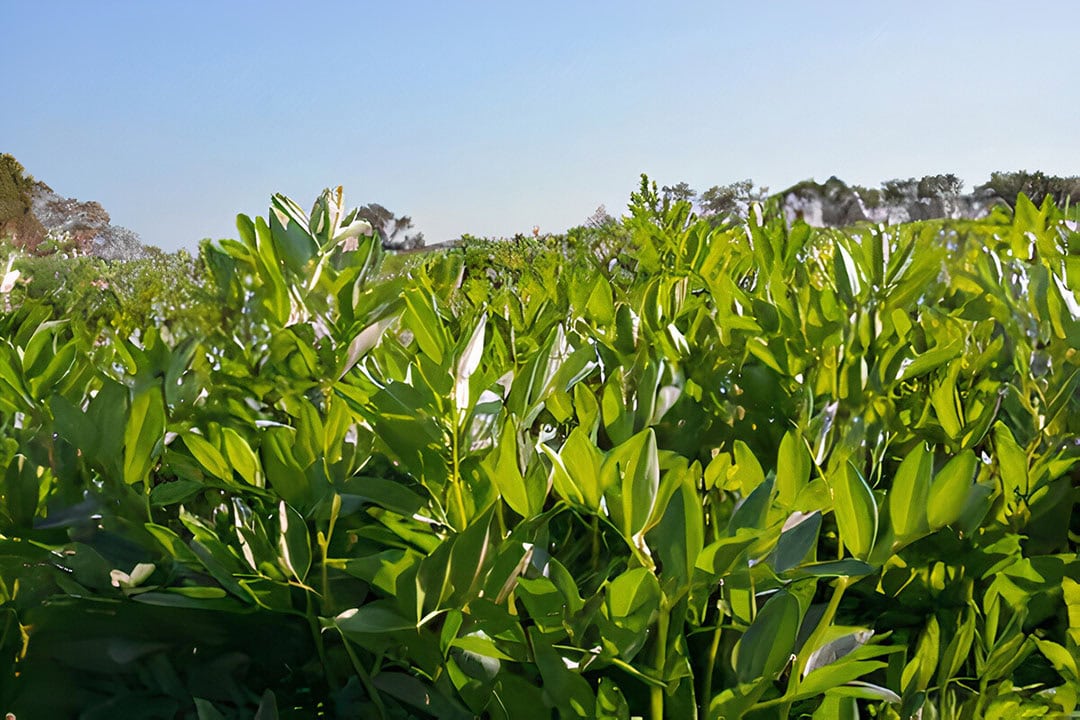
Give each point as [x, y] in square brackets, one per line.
[792, 468]
[765, 648]
[909, 493]
[289, 230]
[373, 618]
[420, 317]
[610, 702]
[576, 470]
[847, 567]
[747, 474]
[208, 456]
[856, 511]
[949, 491]
[241, 457]
[144, 434]
[1012, 462]
[956, 653]
[634, 470]
[176, 491]
[294, 543]
[796, 542]
[22, 484]
[467, 365]
[283, 471]
[752, 512]
[504, 469]
[680, 533]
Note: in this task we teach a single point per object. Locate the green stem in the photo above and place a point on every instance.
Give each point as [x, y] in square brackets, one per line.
[786, 700]
[822, 627]
[710, 668]
[455, 476]
[656, 693]
[596, 544]
[365, 678]
[317, 638]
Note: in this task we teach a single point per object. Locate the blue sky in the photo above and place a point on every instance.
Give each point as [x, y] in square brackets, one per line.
[491, 117]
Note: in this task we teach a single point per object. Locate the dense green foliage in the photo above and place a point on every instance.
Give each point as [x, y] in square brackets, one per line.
[660, 467]
[15, 185]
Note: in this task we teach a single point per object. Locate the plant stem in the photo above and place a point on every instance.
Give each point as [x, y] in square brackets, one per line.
[710, 668]
[822, 626]
[317, 638]
[365, 678]
[455, 475]
[596, 544]
[656, 694]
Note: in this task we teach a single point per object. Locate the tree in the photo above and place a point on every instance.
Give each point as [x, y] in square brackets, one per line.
[1036, 185]
[939, 186]
[723, 202]
[898, 191]
[393, 229]
[679, 193]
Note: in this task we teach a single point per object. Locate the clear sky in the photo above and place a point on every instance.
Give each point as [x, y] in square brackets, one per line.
[491, 117]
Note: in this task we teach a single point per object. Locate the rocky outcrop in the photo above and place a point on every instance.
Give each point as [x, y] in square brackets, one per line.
[37, 220]
[835, 204]
[85, 227]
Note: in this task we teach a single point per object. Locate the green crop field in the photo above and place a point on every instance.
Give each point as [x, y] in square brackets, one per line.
[661, 467]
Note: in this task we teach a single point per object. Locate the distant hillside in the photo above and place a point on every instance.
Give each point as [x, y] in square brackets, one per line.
[39, 221]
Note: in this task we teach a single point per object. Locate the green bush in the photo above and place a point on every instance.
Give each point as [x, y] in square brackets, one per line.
[751, 471]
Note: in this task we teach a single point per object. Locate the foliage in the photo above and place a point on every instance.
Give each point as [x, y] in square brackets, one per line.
[392, 229]
[17, 222]
[1036, 185]
[100, 299]
[742, 471]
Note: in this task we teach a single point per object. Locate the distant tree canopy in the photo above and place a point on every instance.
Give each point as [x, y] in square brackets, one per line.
[17, 222]
[720, 203]
[15, 187]
[1036, 185]
[393, 229]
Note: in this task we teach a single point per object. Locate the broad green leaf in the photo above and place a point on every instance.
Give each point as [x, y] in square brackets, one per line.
[634, 593]
[504, 469]
[241, 457]
[208, 456]
[283, 472]
[956, 653]
[752, 512]
[933, 358]
[420, 317]
[680, 533]
[746, 474]
[1012, 462]
[920, 670]
[634, 472]
[374, 618]
[144, 434]
[289, 229]
[909, 493]
[610, 702]
[176, 491]
[294, 543]
[467, 365]
[855, 509]
[765, 648]
[949, 491]
[792, 468]
[22, 485]
[796, 541]
[583, 462]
